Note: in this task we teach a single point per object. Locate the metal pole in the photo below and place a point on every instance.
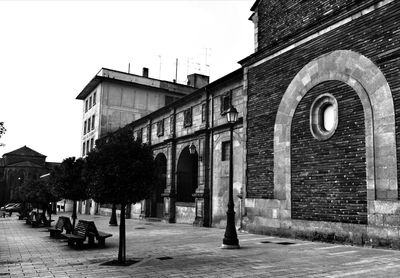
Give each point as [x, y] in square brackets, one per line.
[230, 240]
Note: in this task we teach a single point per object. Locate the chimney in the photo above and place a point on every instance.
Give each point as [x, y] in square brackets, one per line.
[145, 72]
[198, 80]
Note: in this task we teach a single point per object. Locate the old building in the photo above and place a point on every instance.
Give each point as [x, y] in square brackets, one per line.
[321, 120]
[316, 144]
[113, 99]
[18, 165]
[190, 140]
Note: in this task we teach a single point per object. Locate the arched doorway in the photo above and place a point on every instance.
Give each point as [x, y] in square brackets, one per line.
[157, 202]
[187, 176]
[186, 185]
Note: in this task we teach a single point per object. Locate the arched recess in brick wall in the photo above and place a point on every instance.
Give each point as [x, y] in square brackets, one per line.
[371, 86]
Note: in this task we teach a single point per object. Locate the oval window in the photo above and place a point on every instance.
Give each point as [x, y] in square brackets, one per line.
[328, 115]
[324, 116]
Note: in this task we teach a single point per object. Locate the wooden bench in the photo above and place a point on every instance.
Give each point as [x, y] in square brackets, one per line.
[63, 222]
[40, 220]
[100, 236]
[86, 229]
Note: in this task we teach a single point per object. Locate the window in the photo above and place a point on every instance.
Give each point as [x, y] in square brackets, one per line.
[88, 126]
[160, 128]
[83, 149]
[225, 151]
[86, 105]
[87, 147]
[226, 102]
[90, 102]
[149, 134]
[171, 124]
[187, 117]
[84, 127]
[94, 98]
[139, 134]
[203, 112]
[324, 117]
[93, 117]
[91, 144]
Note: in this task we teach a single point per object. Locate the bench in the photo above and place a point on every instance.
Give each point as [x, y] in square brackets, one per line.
[63, 222]
[100, 236]
[32, 217]
[86, 229]
[40, 220]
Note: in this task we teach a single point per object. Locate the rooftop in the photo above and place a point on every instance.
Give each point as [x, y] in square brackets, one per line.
[128, 78]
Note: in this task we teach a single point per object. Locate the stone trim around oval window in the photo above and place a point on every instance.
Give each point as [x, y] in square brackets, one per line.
[317, 116]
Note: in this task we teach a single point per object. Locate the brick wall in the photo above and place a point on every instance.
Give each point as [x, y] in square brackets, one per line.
[376, 36]
[328, 177]
[282, 19]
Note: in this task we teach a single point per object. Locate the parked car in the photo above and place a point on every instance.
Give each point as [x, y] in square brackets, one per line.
[14, 208]
[7, 206]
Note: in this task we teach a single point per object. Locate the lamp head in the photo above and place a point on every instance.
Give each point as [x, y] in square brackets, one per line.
[192, 149]
[232, 115]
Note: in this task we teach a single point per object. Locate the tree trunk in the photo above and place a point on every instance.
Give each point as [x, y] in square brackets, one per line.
[128, 211]
[49, 211]
[113, 219]
[73, 215]
[122, 241]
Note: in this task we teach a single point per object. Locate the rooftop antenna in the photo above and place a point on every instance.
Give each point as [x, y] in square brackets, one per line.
[159, 72]
[206, 62]
[129, 67]
[176, 70]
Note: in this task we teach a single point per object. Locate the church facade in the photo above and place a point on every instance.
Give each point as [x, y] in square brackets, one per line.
[321, 121]
[17, 166]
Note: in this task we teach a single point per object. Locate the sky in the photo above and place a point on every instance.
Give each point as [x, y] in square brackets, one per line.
[49, 51]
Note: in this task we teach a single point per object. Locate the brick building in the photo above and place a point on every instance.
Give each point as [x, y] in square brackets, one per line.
[316, 144]
[321, 120]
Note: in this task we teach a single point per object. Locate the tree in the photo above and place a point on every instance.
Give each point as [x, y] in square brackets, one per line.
[121, 171]
[38, 191]
[69, 182]
[2, 131]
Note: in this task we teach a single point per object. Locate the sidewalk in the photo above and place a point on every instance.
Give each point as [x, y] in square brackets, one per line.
[173, 250]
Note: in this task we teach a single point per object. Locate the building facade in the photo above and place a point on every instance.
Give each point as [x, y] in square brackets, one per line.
[113, 99]
[316, 145]
[322, 119]
[190, 140]
[18, 165]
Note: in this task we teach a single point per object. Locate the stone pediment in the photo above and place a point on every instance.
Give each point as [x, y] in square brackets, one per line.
[24, 151]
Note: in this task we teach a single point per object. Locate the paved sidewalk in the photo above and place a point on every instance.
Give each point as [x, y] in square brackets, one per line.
[173, 250]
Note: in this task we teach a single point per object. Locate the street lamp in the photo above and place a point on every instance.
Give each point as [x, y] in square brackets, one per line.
[231, 240]
[192, 148]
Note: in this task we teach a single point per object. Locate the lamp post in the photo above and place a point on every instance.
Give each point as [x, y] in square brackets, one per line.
[230, 240]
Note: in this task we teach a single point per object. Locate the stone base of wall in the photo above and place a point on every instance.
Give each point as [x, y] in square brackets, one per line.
[135, 211]
[263, 216]
[185, 213]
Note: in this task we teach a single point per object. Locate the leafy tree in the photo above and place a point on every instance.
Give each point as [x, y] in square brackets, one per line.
[121, 171]
[69, 182]
[38, 191]
[2, 131]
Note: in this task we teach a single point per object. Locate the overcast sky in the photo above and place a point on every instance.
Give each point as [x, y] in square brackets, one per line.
[49, 50]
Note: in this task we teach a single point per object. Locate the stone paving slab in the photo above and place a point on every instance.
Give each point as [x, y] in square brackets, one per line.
[176, 250]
